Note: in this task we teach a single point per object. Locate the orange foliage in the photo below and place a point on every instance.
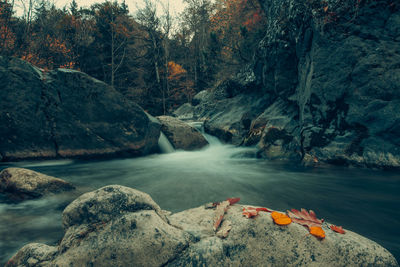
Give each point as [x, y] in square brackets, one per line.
[56, 54]
[236, 13]
[317, 232]
[34, 59]
[181, 87]
[231, 17]
[7, 38]
[175, 71]
[280, 218]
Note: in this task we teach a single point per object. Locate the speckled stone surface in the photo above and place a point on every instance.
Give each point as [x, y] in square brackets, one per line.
[22, 184]
[120, 226]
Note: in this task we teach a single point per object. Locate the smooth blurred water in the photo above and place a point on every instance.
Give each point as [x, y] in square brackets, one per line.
[364, 201]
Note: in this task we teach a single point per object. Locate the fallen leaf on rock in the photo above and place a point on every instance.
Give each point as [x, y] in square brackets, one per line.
[338, 229]
[219, 213]
[305, 218]
[280, 218]
[317, 232]
[221, 209]
[250, 212]
[233, 200]
[263, 209]
[224, 230]
[308, 219]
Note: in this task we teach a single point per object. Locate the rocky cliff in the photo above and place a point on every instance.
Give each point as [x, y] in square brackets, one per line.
[67, 114]
[324, 85]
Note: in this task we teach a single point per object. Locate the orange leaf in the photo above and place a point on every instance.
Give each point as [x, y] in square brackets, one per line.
[280, 218]
[326, 8]
[338, 229]
[317, 232]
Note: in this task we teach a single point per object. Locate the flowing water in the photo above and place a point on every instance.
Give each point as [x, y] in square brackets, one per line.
[364, 201]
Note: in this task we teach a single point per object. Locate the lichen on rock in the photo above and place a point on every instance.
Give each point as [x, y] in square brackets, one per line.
[120, 226]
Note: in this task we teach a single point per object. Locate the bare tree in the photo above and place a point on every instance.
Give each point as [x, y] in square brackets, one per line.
[197, 18]
[166, 26]
[151, 24]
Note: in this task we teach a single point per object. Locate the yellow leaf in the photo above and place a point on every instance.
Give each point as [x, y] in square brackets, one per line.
[280, 218]
[317, 232]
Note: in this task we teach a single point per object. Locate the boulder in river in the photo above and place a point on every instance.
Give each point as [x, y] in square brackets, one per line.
[67, 114]
[120, 226]
[20, 184]
[181, 135]
[184, 112]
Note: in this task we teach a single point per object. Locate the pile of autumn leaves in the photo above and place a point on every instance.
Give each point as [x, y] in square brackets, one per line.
[302, 217]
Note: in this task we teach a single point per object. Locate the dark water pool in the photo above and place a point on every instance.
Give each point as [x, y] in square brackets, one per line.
[364, 201]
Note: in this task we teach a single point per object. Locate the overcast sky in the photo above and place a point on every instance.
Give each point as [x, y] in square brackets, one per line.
[176, 6]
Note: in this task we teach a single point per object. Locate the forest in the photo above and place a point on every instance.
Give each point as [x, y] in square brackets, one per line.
[232, 133]
[144, 55]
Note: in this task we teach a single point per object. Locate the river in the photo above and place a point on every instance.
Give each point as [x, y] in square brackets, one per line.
[364, 201]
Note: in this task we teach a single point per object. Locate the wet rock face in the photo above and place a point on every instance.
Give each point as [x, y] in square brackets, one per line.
[120, 226]
[343, 81]
[181, 135]
[20, 184]
[330, 79]
[67, 114]
[227, 116]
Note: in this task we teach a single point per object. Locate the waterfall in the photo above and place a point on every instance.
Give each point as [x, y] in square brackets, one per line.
[212, 140]
[164, 144]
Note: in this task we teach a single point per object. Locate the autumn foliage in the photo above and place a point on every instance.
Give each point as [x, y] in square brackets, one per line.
[280, 218]
[181, 86]
[159, 70]
[7, 36]
[236, 22]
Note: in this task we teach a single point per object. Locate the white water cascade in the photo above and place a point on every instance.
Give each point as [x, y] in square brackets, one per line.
[199, 125]
[164, 144]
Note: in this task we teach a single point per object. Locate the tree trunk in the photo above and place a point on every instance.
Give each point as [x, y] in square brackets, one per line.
[112, 50]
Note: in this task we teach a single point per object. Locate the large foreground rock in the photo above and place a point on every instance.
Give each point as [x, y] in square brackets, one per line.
[324, 85]
[181, 135]
[120, 226]
[21, 184]
[67, 114]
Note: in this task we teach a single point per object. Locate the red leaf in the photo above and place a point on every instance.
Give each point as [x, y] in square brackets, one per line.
[305, 218]
[233, 200]
[251, 212]
[263, 209]
[338, 229]
[219, 213]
